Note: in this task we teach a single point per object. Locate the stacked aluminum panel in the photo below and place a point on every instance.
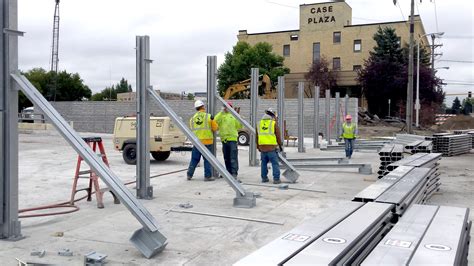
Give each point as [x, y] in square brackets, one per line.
[451, 145]
[471, 133]
[462, 131]
[390, 153]
[406, 139]
[424, 146]
[425, 235]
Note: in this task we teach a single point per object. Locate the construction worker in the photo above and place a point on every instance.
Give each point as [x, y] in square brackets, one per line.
[228, 132]
[349, 135]
[268, 142]
[202, 124]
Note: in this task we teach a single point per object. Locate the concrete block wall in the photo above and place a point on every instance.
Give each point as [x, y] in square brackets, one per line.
[99, 117]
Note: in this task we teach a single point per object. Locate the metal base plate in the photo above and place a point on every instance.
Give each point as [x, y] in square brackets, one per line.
[246, 201]
[149, 243]
[291, 175]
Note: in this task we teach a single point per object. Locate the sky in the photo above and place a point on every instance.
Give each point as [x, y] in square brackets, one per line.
[97, 37]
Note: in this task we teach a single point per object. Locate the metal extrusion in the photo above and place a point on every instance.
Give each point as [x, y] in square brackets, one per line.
[301, 117]
[337, 113]
[363, 168]
[346, 105]
[150, 230]
[327, 104]
[316, 118]
[281, 106]
[211, 98]
[290, 173]
[144, 189]
[253, 116]
[243, 199]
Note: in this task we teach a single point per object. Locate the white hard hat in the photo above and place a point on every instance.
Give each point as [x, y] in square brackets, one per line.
[198, 104]
[270, 111]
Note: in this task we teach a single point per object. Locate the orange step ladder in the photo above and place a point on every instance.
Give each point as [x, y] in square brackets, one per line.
[95, 143]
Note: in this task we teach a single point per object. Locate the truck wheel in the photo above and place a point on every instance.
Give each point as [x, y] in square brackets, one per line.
[129, 153]
[243, 138]
[160, 155]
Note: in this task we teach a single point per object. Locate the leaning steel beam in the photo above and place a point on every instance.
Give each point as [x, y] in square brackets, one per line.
[148, 239]
[289, 244]
[290, 173]
[343, 243]
[244, 199]
[10, 226]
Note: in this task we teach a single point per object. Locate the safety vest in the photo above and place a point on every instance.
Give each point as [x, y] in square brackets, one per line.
[266, 132]
[348, 130]
[199, 124]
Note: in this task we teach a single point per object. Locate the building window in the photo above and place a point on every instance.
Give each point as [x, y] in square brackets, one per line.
[356, 67]
[357, 46]
[286, 50]
[316, 52]
[336, 63]
[294, 37]
[336, 37]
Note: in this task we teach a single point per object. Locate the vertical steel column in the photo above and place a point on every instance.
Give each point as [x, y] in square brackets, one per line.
[253, 116]
[328, 116]
[10, 227]
[211, 97]
[301, 117]
[281, 106]
[346, 105]
[338, 116]
[144, 189]
[316, 118]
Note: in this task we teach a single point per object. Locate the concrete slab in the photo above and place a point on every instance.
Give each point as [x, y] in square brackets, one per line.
[46, 171]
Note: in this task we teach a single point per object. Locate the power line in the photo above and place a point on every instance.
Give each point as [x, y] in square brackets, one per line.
[279, 4]
[436, 15]
[459, 37]
[456, 61]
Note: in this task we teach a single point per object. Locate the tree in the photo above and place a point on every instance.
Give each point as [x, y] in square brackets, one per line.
[237, 64]
[190, 96]
[321, 75]
[385, 76]
[110, 93]
[467, 105]
[61, 86]
[456, 107]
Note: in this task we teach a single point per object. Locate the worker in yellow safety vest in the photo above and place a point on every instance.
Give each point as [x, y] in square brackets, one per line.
[203, 126]
[268, 143]
[349, 135]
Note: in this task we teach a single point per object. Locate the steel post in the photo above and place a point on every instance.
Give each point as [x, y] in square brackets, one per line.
[327, 105]
[253, 116]
[316, 118]
[144, 189]
[301, 117]
[10, 227]
[211, 97]
[147, 239]
[243, 199]
[290, 173]
[281, 106]
[346, 104]
[337, 112]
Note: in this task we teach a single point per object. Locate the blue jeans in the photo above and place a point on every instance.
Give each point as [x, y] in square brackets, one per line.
[271, 156]
[231, 157]
[195, 158]
[349, 147]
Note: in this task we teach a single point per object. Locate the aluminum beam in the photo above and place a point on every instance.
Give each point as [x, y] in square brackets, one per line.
[10, 226]
[281, 106]
[337, 112]
[398, 246]
[287, 245]
[144, 189]
[316, 118]
[346, 105]
[301, 117]
[347, 238]
[253, 116]
[243, 199]
[318, 159]
[442, 240]
[290, 173]
[363, 168]
[328, 116]
[148, 239]
[211, 98]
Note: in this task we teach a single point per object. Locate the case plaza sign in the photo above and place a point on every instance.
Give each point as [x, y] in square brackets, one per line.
[321, 15]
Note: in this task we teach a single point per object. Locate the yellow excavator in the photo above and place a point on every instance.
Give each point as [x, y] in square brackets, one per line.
[269, 92]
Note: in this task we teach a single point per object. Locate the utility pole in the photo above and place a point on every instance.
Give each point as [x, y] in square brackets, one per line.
[409, 109]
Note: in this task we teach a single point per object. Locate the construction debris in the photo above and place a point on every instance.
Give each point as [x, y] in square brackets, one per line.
[65, 252]
[39, 253]
[94, 259]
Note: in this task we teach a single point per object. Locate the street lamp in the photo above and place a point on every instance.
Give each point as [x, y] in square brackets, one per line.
[442, 67]
[417, 102]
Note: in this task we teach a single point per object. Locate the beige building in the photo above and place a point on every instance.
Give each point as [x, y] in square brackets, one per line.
[326, 30]
[131, 96]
